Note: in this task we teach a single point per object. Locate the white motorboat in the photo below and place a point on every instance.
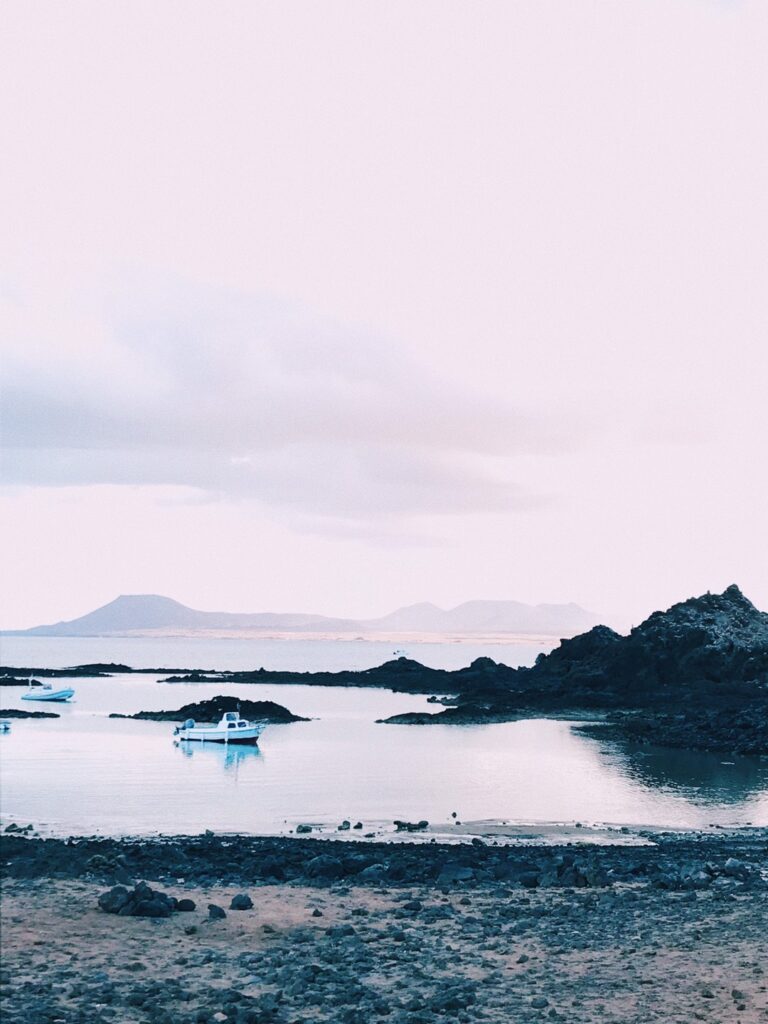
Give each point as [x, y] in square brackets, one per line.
[44, 691]
[231, 729]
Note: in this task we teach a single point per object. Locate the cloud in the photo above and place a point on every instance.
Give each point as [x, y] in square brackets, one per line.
[243, 397]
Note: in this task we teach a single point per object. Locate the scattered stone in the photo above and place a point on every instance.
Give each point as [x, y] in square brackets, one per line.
[413, 905]
[216, 913]
[141, 902]
[241, 902]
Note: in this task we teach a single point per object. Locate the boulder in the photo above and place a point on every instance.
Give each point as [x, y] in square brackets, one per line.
[324, 866]
[241, 902]
[375, 873]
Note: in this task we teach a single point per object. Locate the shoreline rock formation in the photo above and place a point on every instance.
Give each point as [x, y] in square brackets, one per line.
[694, 676]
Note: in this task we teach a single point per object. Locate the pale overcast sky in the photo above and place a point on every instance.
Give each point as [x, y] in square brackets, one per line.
[336, 307]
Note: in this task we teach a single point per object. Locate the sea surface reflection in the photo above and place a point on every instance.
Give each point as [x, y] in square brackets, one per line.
[229, 756]
[87, 773]
[718, 778]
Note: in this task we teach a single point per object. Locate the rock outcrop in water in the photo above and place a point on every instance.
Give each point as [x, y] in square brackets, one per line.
[401, 674]
[22, 713]
[213, 709]
[693, 676]
[20, 676]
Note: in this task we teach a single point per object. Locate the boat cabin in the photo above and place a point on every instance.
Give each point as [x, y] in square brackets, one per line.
[232, 720]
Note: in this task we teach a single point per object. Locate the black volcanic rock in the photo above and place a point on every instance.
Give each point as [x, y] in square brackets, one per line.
[716, 644]
[693, 676]
[213, 709]
[22, 713]
[13, 676]
[401, 674]
[730, 730]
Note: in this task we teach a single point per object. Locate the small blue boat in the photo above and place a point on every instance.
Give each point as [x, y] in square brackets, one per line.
[44, 691]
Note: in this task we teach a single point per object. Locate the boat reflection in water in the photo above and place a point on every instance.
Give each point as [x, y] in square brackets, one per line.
[229, 755]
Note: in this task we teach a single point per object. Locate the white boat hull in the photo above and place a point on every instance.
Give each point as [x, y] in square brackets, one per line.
[49, 695]
[202, 735]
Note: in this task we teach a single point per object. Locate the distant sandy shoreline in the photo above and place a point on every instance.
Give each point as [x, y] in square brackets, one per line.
[401, 639]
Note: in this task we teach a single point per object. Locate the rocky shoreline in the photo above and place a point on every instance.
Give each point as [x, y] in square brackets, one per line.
[334, 930]
[693, 677]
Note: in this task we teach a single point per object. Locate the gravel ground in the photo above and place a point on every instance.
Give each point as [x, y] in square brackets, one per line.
[408, 953]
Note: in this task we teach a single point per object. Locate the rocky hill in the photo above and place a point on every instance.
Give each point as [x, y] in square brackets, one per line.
[694, 676]
[716, 645]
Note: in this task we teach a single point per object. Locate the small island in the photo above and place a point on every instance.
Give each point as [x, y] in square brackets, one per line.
[212, 710]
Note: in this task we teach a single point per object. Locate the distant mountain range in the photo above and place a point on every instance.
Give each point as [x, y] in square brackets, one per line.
[147, 614]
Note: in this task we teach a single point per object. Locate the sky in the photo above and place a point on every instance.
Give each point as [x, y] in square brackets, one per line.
[335, 307]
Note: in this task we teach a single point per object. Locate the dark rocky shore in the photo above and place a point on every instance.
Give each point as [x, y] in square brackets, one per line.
[293, 931]
[695, 676]
[672, 861]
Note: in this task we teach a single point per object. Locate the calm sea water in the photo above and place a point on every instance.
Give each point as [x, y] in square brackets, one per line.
[87, 773]
[232, 655]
